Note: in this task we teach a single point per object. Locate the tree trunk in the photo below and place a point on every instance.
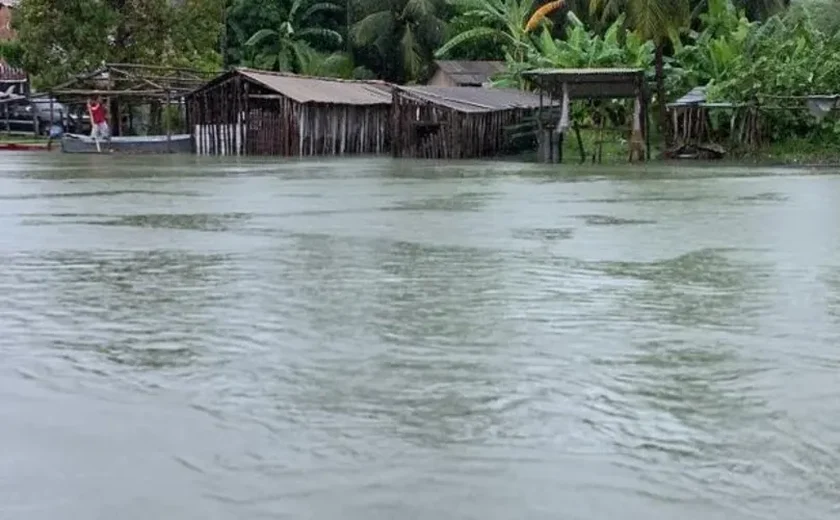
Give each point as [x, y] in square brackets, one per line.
[660, 91]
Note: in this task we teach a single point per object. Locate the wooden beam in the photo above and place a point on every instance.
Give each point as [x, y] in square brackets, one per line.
[98, 92]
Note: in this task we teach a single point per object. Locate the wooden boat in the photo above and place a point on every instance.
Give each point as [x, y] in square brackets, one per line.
[145, 144]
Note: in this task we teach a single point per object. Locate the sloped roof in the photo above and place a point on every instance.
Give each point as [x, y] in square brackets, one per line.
[695, 96]
[470, 73]
[473, 99]
[307, 89]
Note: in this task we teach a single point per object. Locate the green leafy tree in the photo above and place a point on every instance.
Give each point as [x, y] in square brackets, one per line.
[398, 37]
[60, 39]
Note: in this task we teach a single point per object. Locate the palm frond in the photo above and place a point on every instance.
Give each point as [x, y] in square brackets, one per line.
[649, 17]
[324, 35]
[320, 7]
[372, 27]
[417, 9]
[259, 36]
[412, 61]
[478, 33]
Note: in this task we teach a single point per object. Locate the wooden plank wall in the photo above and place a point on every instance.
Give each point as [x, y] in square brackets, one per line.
[237, 117]
[422, 129]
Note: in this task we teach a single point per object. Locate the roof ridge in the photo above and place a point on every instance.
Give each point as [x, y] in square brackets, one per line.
[319, 78]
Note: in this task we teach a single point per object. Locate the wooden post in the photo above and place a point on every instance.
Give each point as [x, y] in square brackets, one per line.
[34, 118]
[560, 138]
[540, 133]
[237, 117]
[167, 123]
[49, 128]
[580, 143]
[646, 123]
[246, 117]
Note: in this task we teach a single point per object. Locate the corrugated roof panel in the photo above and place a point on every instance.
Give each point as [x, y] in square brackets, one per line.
[466, 72]
[474, 99]
[695, 96]
[305, 89]
[581, 72]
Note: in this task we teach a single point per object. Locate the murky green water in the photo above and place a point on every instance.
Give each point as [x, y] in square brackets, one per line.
[369, 339]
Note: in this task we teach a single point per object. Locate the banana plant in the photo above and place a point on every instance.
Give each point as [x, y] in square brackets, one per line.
[289, 45]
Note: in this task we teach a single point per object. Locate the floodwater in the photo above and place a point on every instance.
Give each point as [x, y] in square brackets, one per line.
[367, 339]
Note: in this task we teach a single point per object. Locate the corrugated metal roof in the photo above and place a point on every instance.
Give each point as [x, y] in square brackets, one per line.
[582, 72]
[470, 73]
[305, 89]
[474, 99]
[695, 96]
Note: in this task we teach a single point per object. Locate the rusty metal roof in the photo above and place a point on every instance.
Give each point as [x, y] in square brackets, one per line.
[306, 89]
[473, 99]
[470, 73]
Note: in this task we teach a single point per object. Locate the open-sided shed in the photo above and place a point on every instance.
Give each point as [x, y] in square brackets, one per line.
[252, 112]
[456, 122]
[566, 85]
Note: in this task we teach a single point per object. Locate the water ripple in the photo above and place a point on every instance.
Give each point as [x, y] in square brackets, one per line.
[329, 338]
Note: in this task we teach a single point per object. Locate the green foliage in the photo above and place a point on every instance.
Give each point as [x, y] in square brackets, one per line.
[289, 45]
[60, 39]
[786, 57]
[12, 53]
[583, 48]
[399, 36]
[713, 54]
[493, 22]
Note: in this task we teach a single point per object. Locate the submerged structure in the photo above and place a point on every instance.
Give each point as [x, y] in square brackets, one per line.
[567, 85]
[457, 122]
[145, 104]
[253, 112]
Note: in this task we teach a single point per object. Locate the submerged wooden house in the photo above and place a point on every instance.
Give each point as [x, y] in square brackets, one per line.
[251, 112]
[456, 122]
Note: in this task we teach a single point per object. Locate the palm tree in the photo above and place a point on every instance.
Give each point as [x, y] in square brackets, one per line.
[401, 34]
[654, 20]
[290, 46]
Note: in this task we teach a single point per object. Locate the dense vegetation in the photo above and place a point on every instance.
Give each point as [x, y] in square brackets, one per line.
[745, 50]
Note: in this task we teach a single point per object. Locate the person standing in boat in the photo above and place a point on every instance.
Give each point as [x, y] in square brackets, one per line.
[98, 121]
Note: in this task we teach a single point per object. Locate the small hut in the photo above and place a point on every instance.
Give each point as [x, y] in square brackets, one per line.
[456, 122]
[465, 73]
[693, 132]
[253, 112]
